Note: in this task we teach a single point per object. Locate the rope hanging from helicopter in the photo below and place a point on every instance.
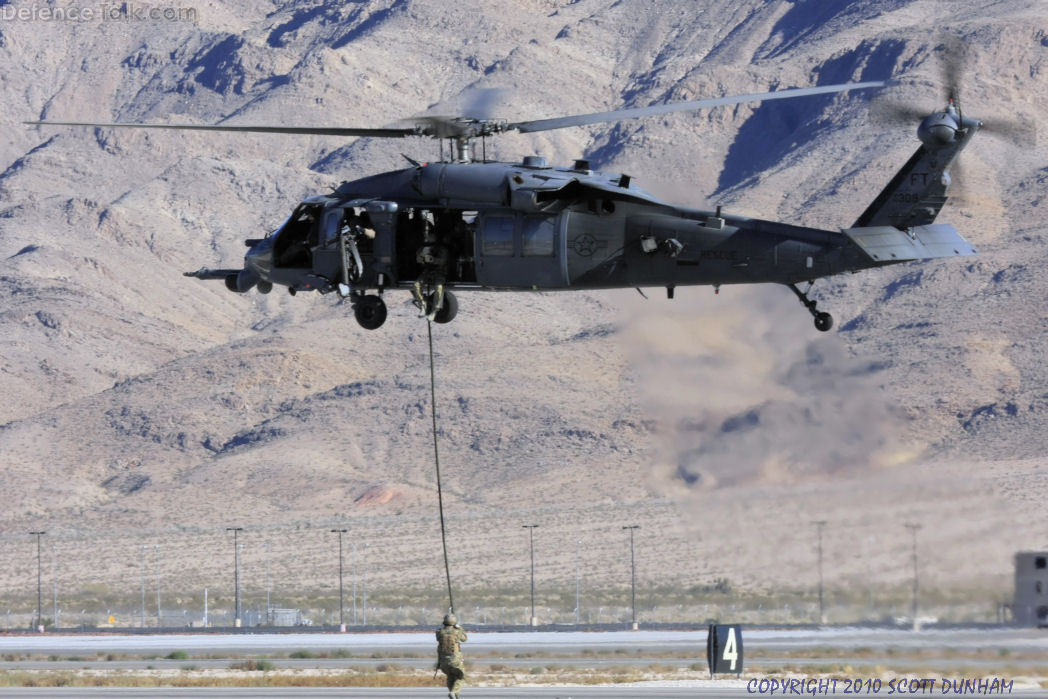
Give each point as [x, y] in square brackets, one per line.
[436, 460]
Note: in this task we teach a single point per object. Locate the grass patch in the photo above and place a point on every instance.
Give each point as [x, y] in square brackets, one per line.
[178, 655]
[124, 679]
[302, 654]
[251, 665]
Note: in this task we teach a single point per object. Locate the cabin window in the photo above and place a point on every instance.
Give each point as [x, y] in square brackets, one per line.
[538, 236]
[1038, 587]
[332, 219]
[497, 240]
[1039, 563]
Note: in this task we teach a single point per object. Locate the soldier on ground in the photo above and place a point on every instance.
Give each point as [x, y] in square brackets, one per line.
[449, 654]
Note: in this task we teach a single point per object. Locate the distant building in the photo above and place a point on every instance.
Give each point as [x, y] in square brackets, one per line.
[1030, 607]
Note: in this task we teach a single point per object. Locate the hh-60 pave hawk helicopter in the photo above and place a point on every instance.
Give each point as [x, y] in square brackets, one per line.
[467, 224]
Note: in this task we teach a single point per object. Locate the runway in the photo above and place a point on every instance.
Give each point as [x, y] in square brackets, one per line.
[619, 692]
[522, 641]
[974, 652]
[415, 693]
[549, 643]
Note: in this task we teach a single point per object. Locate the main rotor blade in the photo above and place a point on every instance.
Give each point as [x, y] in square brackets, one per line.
[883, 112]
[636, 112]
[483, 103]
[295, 130]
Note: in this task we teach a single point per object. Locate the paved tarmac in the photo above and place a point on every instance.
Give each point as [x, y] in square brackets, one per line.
[620, 692]
[944, 650]
[414, 693]
[549, 643]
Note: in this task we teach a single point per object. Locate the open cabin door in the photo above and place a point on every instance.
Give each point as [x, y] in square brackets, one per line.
[345, 248]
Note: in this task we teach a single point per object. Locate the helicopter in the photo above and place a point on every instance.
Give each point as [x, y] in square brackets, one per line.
[467, 223]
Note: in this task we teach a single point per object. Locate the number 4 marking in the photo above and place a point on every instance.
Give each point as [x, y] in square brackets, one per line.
[730, 652]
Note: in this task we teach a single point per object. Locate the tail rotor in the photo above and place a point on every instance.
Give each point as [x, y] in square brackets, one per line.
[949, 123]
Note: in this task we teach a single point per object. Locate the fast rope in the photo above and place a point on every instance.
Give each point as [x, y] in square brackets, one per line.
[436, 459]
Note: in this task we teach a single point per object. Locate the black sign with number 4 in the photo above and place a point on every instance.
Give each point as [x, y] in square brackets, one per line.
[724, 649]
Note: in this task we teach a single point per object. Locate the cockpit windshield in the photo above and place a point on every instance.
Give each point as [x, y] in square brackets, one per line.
[294, 239]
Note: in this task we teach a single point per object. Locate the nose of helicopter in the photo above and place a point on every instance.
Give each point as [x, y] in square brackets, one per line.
[259, 257]
[257, 264]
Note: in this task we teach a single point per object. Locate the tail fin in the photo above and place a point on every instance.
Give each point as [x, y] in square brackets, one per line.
[917, 193]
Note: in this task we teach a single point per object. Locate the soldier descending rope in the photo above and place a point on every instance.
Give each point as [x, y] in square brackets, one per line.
[450, 635]
[449, 654]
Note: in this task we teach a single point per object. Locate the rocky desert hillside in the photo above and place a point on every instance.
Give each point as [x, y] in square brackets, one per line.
[140, 407]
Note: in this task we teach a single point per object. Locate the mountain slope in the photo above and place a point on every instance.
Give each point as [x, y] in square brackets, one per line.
[138, 399]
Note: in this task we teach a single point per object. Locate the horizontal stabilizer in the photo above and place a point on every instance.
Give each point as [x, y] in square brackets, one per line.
[889, 244]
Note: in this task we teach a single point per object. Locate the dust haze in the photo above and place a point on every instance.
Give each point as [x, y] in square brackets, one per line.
[743, 390]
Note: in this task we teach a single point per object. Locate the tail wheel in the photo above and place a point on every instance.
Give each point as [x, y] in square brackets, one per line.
[448, 311]
[823, 322]
[370, 312]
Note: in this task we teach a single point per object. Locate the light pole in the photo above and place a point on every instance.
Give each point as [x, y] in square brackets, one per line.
[818, 528]
[913, 530]
[142, 576]
[54, 590]
[341, 618]
[236, 571]
[364, 610]
[354, 576]
[39, 587]
[633, 573]
[269, 609]
[531, 541]
[578, 546]
[156, 553]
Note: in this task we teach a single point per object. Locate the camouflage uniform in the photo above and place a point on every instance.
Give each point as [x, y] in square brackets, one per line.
[449, 655]
[433, 257]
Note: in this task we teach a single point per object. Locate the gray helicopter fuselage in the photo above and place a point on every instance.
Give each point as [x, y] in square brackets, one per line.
[533, 227]
[528, 226]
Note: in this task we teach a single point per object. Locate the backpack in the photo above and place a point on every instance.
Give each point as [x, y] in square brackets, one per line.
[447, 641]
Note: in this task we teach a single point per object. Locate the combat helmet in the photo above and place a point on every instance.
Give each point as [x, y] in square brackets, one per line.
[450, 620]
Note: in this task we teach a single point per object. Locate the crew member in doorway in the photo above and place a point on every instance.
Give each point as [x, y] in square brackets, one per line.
[433, 257]
[449, 654]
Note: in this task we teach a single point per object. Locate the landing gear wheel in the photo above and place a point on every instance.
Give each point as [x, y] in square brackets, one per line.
[448, 311]
[370, 311]
[823, 320]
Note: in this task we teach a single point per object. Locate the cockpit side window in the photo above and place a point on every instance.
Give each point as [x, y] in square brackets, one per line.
[291, 247]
